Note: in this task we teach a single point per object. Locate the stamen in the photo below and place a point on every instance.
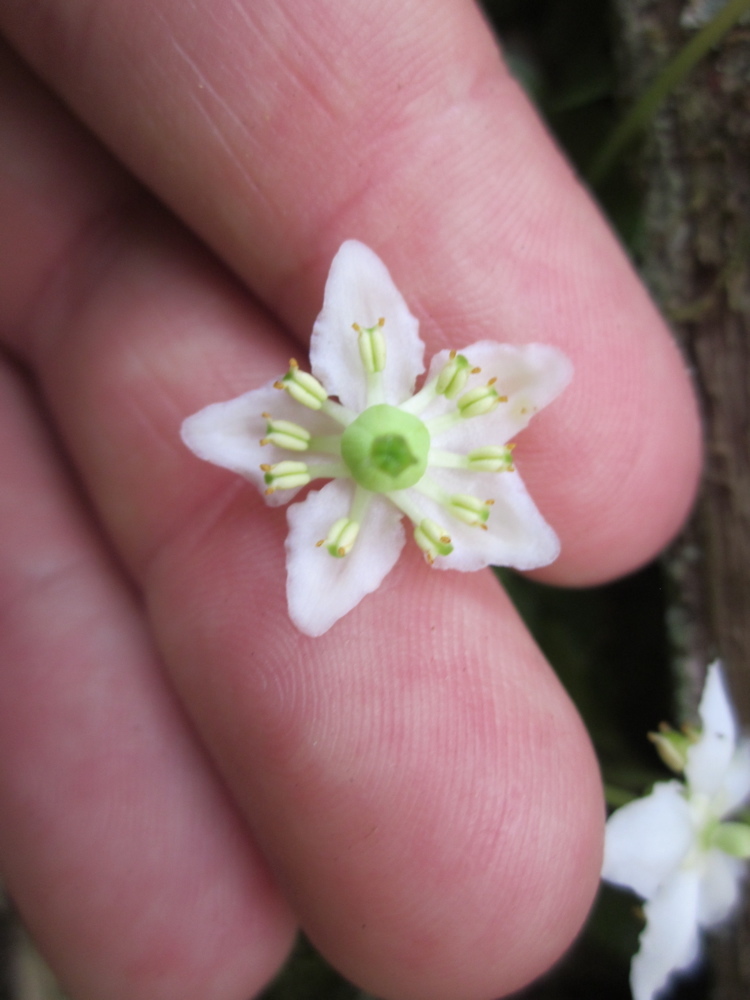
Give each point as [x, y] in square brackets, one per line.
[341, 538]
[372, 347]
[477, 402]
[343, 533]
[453, 377]
[302, 387]
[450, 381]
[432, 539]
[285, 434]
[469, 509]
[285, 476]
[493, 458]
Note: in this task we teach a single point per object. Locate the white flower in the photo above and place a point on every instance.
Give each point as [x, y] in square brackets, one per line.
[674, 849]
[440, 457]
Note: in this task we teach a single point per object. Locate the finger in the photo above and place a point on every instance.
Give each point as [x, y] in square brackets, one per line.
[403, 774]
[400, 126]
[129, 865]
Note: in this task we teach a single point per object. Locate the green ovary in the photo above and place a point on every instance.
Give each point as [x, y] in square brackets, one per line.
[385, 449]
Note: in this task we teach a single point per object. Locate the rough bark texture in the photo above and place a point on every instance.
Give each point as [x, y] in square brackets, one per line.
[696, 259]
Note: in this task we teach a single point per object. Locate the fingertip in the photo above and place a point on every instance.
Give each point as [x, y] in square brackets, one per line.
[491, 860]
[620, 487]
[422, 786]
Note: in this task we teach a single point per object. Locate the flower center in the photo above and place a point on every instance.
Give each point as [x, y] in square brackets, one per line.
[385, 449]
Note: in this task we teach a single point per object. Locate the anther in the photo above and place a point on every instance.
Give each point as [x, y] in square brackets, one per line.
[477, 402]
[342, 536]
[285, 434]
[302, 387]
[493, 458]
[432, 539]
[285, 476]
[469, 509]
[372, 347]
[453, 377]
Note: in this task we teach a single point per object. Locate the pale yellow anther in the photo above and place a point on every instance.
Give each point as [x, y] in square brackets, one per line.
[432, 539]
[477, 402]
[492, 458]
[285, 434]
[371, 344]
[302, 387]
[341, 538]
[285, 476]
[469, 509]
[453, 376]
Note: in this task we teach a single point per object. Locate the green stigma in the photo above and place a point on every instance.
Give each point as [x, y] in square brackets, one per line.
[386, 449]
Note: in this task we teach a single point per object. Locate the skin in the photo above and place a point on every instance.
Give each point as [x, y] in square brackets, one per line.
[184, 776]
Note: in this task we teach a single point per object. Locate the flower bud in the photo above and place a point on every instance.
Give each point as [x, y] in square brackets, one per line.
[672, 747]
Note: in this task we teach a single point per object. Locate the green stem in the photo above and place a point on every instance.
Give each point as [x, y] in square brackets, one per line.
[421, 400]
[341, 414]
[328, 470]
[360, 503]
[447, 459]
[645, 108]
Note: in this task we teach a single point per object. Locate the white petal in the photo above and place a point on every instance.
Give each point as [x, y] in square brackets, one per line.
[670, 941]
[735, 788]
[709, 758]
[517, 535]
[360, 290]
[530, 375]
[720, 887]
[229, 434]
[646, 841]
[321, 588]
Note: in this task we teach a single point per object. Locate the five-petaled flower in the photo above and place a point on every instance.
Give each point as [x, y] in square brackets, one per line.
[441, 457]
[675, 849]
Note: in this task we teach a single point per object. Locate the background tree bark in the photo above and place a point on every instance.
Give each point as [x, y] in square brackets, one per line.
[695, 256]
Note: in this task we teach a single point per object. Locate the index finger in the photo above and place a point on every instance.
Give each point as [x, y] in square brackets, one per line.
[400, 126]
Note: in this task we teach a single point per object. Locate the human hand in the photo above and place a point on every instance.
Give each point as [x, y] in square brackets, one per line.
[419, 794]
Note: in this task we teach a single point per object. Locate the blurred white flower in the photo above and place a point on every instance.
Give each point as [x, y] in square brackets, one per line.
[696, 13]
[441, 457]
[675, 849]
